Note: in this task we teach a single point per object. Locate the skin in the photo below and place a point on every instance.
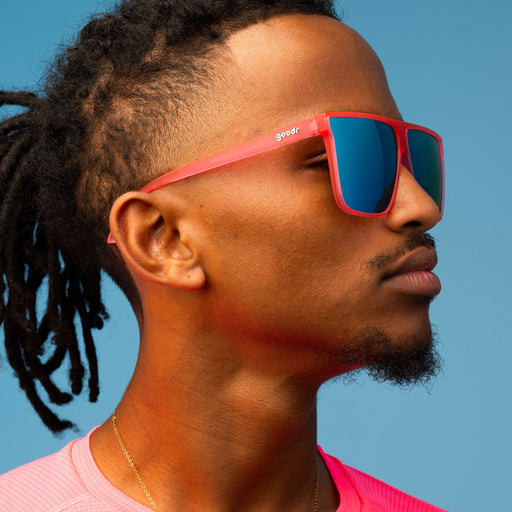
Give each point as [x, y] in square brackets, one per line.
[251, 278]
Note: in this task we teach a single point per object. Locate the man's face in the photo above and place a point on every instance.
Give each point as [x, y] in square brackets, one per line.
[285, 266]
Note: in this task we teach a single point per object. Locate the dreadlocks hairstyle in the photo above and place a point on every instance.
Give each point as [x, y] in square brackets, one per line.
[109, 105]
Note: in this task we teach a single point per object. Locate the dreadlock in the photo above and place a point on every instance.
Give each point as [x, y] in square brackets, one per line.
[110, 105]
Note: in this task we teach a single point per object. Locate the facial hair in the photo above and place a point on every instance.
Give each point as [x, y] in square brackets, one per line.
[402, 360]
[408, 360]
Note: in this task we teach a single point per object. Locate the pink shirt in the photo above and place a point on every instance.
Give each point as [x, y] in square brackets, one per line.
[70, 481]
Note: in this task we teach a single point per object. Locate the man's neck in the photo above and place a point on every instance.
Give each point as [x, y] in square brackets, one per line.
[209, 436]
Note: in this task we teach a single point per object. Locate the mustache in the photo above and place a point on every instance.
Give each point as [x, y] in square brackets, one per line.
[413, 240]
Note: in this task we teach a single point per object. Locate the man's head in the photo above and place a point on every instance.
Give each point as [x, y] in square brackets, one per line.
[258, 251]
[260, 246]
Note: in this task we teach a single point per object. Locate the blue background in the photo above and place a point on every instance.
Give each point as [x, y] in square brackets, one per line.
[449, 67]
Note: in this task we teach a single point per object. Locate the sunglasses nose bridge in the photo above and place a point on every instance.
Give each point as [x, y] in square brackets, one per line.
[405, 159]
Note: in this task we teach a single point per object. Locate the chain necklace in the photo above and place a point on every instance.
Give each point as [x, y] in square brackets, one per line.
[315, 495]
[143, 485]
[130, 461]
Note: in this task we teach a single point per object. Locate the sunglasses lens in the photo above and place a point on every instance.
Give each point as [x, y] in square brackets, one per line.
[366, 155]
[427, 164]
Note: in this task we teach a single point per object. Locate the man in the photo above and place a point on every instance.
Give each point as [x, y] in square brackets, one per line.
[257, 278]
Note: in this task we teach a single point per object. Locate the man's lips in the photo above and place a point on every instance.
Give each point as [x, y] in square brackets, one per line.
[413, 274]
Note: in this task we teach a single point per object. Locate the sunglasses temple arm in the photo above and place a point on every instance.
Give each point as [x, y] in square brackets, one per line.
[293, 133]
[289, 135]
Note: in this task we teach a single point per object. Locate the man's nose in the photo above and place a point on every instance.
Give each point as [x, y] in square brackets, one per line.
[413, 208]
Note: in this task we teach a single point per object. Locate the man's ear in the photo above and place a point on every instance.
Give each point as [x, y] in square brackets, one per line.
[156, 239]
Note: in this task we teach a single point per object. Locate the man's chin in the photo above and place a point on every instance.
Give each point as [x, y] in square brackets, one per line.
[418, 363]
[400, 360]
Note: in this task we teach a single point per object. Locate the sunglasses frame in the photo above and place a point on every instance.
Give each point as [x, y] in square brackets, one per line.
[308, 128]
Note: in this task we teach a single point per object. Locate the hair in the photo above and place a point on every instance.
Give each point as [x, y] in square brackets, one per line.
[94, 132]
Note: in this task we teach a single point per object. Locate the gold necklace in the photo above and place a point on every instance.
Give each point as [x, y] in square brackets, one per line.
[143, 485]
[130, 461]
[315, 495]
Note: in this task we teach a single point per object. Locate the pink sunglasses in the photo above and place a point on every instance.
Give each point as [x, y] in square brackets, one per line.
[364, 152]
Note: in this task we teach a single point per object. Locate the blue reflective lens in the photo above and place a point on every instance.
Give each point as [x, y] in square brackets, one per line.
[426, 164]
[367, 162]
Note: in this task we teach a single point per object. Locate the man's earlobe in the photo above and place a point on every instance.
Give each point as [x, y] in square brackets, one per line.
[156, 240]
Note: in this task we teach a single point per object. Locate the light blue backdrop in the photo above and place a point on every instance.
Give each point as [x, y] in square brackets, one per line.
[449, 67]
